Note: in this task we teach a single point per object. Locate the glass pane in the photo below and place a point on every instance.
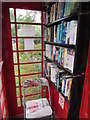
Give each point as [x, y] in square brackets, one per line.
[23, 78]
[23, 15]
[32, 68]
[12, 29]
[18, 102]
[16, 69]
[28, 30]
[17, 81]
[32, 90]
[14, 44]
[11, 14]
[34, 97]
[30, 56]
[17, 92]
[29, 44]
[14, 57]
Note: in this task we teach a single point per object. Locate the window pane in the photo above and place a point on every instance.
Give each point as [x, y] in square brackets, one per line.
[30, 56]
[34, 97]
[17, 81]
[18, 102]
[23, 78]
[11, 14]
[16, 69]
[12, 29]
[14, 57]
[14, 44]
[23, 15]
[29, 44]
[28, 30]
[17, 92]
[32, 68]
[32, 90]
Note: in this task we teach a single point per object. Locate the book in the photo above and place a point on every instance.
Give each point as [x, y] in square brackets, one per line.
[54, 51]
[55, 33]
[48, 34]
[73, 32]
[67, 7]
[65, 58]
[67, 86]
[64, 29]
[56, 55]
[62, 10]
[64, 81]
[55, 11]
[71, 60]
[68, 33]
[52, 34]
[61, 56]
[58, 34]
[51, 52]
[58, 11]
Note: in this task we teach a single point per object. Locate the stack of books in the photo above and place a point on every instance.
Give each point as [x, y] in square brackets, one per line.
[62, 56]
[61, 9]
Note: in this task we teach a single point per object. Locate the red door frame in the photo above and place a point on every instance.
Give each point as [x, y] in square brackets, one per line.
[7, 48]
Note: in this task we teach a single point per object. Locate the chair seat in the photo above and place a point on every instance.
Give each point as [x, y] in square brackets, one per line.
[38, 108]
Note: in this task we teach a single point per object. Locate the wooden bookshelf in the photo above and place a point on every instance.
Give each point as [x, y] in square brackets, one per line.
[58, 90]
[67, 70]
[61, 45]
[80, 58]
[67, 18]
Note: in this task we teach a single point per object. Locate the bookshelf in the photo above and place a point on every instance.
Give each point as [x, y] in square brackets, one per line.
[61, 45]
[80, 48]
[59, 91]
[66, 70]
[67, 18]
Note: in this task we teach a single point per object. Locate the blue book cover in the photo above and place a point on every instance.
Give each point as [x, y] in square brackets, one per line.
[63, 34]
[62, 11]
[59, 57]
[58, 30]
[64, 86]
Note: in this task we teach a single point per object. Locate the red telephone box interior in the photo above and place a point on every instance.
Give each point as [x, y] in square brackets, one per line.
[16, 70]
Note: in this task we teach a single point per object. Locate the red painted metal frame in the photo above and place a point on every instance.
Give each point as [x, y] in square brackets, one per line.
[28, 74]
[26, 50]
[17, 56]
[27, 95]
[9, 72]
[31, 74]
[42, 49]
[23, 63]
[35, 37]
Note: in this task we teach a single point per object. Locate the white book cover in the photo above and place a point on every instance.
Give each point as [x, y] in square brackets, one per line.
[73, 32]
[65, 58]
[61, 101]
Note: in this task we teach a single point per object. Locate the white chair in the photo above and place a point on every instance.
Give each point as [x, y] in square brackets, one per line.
[40, 108]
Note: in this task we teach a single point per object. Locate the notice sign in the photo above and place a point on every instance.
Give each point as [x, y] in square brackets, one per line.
[61, 101]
